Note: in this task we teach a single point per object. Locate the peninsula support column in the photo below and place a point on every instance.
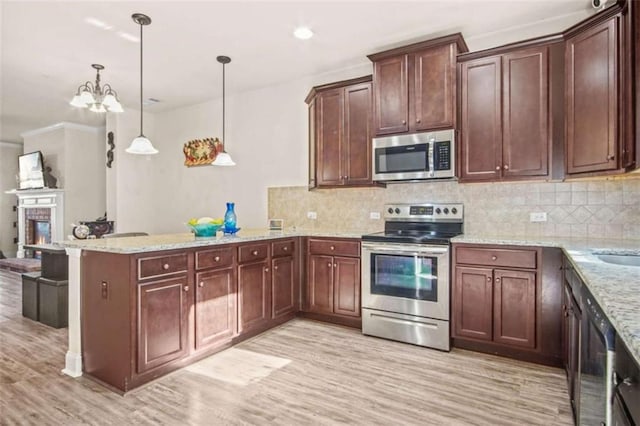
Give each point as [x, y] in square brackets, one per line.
[73, 359]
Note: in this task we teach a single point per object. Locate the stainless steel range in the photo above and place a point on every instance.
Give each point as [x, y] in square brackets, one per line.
[405, 274]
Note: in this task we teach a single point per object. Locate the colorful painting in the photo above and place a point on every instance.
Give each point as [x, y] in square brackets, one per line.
[200, 152]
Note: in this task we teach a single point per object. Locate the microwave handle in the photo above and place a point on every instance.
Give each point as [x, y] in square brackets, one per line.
[432, 141]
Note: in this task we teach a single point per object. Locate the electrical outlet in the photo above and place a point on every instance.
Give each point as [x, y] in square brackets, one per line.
[374, 215]
[312, 215]
[538, 217]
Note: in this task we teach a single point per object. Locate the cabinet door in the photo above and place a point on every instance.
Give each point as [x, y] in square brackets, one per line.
[312, 144]
[434, 77]
[357, 134]
[346, 296]
[592, 98]
[320, 284]
[575, 336]
[254, 295]
[215, 310]
[481, 114]
[330, 124]
[473, 303]
[163, 307]
[525, 134]
[283, 294]
[391, 95]
[514, 308]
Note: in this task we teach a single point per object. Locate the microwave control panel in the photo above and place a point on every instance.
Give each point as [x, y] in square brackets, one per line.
[442, 155]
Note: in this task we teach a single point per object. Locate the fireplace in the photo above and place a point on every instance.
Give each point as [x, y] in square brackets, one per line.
[40, 217]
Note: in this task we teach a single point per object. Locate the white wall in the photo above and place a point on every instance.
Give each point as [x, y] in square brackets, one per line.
[9, 153]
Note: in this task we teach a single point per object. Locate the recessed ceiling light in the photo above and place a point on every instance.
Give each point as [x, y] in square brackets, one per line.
[303, 33]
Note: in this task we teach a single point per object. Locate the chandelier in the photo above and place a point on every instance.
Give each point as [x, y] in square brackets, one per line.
[95, 97]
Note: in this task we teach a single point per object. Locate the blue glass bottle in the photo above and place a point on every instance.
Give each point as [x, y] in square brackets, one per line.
[230, 219]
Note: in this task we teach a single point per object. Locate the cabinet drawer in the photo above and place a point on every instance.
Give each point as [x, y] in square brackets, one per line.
[497, 257]
[282, 248]
[159, 266]
[253, 252]
[334, 247]
[215, 258]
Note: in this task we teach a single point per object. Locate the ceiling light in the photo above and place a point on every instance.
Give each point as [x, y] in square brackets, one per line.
[141, 145]
[303, 33]
[223, 159]
[128, 36]
[98, 98]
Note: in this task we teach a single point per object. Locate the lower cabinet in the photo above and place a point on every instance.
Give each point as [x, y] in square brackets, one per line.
[571, 330]
[254, 295]
[333, 279]
[506, 300]
[283, 287]
[162, 329]
[216, 307]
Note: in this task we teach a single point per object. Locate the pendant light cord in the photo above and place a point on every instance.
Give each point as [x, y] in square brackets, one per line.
[224, 140]
[141, 132]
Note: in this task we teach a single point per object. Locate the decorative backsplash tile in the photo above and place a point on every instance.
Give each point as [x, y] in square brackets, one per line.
[596, 209]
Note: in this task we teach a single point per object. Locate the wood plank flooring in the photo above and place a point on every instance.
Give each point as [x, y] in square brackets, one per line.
[302, 373]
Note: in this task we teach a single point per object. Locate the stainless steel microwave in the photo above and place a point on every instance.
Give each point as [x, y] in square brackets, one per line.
[419, 156]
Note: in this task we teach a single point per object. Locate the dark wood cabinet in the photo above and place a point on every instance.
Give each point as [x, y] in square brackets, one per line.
[340, 134]
[162, 325]
[285, 278]
[592, 78]
[505, 113]
[415, 86]
[215, 307]
[572, 331]
[333, 280]
[506, 300]
[254, 288]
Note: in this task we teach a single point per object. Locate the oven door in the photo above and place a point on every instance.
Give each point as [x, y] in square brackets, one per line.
[410, 279]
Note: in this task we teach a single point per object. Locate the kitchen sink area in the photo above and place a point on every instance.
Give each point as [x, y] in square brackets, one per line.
[620, 259]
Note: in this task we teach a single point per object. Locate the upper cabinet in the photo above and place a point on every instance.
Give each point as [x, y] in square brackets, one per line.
[414, 87]
[505, 110]
[340, 134]
[597, 91]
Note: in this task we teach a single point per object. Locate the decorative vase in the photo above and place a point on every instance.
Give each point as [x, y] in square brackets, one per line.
[230, 219]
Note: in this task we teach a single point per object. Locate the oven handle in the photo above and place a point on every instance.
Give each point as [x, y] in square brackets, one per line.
[403, 249]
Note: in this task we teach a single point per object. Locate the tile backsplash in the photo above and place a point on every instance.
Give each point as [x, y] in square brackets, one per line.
[603, 208]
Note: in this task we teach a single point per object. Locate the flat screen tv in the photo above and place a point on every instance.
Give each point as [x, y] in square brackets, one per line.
[31, 168]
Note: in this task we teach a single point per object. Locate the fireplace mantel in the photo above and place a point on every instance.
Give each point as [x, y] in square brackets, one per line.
[40, 199]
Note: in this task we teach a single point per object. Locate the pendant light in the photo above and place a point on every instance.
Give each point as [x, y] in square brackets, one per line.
[141, 145]
[223, 159]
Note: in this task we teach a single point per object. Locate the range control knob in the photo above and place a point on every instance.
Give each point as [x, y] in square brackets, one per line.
[390, 210]
[454, 210]
[438, 211]
[397, 210]
[446, 210]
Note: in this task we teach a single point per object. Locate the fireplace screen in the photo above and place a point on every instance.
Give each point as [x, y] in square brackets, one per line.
[41, 232]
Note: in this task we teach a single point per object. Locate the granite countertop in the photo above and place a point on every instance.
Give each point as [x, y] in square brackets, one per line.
[149, 243]
[616, 288]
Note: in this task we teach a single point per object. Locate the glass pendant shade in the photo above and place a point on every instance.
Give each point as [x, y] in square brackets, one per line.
[223, 159]
[87, 97]
[141, 145]
[116, 107]
[77, 102]
[109, 101]
[97, 108]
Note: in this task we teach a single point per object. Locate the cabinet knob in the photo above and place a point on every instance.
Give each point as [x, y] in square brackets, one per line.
[488, 279]
[329, 264]
[497, 280]
[255, 252]
[417, 120]
[186, 288]
[332, 247]
[611, 157]
[275, 268]
[201, 284]
[506, 167]
[335, 265]
[494, 257]
[266, 269]
[165, 266]
[285, 248]
[498, 167]
[404, 121]
[216, 259]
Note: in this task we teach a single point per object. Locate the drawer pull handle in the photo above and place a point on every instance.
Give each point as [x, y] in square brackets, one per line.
[165, 266]
[201, 284]
[255, 252]
[216, 259]
[332, 247]
[186, 288]
[494, 257]
[497, 280]
[285, 248]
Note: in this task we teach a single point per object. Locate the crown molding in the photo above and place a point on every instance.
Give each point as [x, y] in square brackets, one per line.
[63, 125]
[8, 144]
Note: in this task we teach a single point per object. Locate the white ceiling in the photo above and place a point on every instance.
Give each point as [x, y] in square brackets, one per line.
[47, 47]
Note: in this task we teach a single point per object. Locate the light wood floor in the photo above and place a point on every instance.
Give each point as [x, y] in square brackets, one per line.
[301, 373]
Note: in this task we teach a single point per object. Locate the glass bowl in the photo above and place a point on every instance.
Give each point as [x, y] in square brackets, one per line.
[205, 229]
